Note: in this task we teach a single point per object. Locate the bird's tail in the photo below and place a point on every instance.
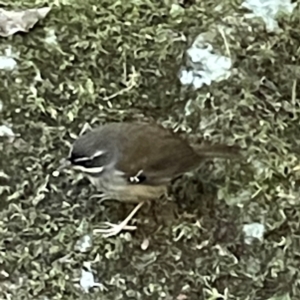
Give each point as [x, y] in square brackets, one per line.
[218, 151]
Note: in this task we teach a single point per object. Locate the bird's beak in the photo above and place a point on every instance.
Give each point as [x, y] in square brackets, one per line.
[64, 164]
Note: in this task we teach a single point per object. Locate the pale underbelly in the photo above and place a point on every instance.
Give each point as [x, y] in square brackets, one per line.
[120, 189]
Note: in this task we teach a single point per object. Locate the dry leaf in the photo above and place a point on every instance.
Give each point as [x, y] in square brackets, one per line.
[15, 21]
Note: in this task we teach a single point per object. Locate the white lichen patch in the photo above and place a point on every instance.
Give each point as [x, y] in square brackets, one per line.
[205, 66]
[51, 37]
[6, 131]
[253, 231]
[84, 244]
[87, 279]
[7, 60]
[268, 10]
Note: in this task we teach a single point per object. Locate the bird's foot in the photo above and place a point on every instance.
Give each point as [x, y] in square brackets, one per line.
[117, 228]
[113, 229]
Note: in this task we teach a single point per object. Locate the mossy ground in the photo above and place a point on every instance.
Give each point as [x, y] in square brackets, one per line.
[196, 249]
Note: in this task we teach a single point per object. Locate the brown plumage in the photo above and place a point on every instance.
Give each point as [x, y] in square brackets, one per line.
[135, 162]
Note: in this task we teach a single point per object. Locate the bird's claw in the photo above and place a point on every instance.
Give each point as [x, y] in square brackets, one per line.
[113, 229]
[116, 228]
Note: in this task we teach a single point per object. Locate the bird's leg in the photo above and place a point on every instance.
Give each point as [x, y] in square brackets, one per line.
[117, 228]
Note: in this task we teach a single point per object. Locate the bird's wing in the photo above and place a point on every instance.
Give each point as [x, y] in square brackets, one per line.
[154, 154]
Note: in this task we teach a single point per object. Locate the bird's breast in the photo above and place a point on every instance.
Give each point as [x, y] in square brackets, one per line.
[115, 186]
[108, 181]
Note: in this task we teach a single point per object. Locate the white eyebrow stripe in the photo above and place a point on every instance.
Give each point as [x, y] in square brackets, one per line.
[96, 154]
[82, 159]
[94, 170]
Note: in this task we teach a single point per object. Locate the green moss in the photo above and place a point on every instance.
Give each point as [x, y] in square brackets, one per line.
[198, 251]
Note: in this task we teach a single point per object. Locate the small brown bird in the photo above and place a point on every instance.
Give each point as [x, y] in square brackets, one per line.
[135, 162]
